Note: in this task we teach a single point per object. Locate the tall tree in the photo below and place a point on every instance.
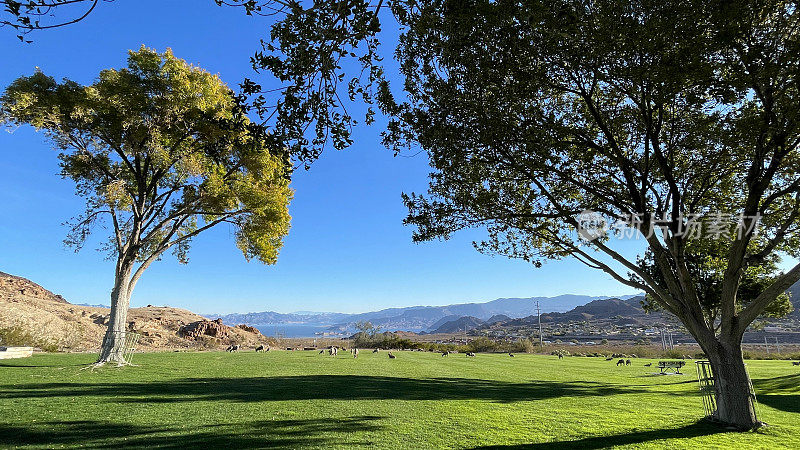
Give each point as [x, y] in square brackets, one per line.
[160, 151]
[664, 114]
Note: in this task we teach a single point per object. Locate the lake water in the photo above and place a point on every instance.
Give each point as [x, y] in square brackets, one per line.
[292, 330]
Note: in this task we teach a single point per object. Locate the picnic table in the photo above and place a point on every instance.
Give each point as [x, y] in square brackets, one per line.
[674, 365]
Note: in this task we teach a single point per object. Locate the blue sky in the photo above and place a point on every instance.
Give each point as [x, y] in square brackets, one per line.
[347, 250]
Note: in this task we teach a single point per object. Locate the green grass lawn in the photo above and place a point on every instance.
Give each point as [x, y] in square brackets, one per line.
[419, 400]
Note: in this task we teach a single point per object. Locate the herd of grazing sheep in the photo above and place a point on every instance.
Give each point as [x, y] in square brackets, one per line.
[334, 351]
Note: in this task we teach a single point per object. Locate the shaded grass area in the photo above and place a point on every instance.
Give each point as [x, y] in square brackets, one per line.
[625, 439]
[419, 400]
[255, 434]
[781, 393]
[317, 387]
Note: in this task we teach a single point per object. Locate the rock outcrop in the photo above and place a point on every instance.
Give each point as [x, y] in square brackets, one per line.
[213, 328]
[247, 328]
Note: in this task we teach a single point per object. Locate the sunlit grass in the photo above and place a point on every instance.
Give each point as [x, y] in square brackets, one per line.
[419, 400]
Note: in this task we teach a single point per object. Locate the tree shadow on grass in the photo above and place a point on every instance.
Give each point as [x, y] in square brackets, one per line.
[781, 393]
[658, 375]
[783, 383]
[697, 429]
[786, 403]
[259, 434]
[310, 387]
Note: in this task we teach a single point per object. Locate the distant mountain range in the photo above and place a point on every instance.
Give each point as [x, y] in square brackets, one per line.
[271, 318]
[419, 318]
[457, 317]
[614, 311]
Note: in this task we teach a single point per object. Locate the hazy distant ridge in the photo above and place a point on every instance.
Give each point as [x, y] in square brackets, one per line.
[418, 318]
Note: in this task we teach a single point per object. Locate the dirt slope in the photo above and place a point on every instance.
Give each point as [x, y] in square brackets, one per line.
[50, 321]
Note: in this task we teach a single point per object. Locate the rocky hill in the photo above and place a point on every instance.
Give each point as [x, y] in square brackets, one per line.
[497, 318]
[12, 286]
[629, 310]
[462, 324]
[443, 321]
[31, 314]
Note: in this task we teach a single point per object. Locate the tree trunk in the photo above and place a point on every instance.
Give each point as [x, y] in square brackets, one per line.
[113, 348]
[732, 383]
